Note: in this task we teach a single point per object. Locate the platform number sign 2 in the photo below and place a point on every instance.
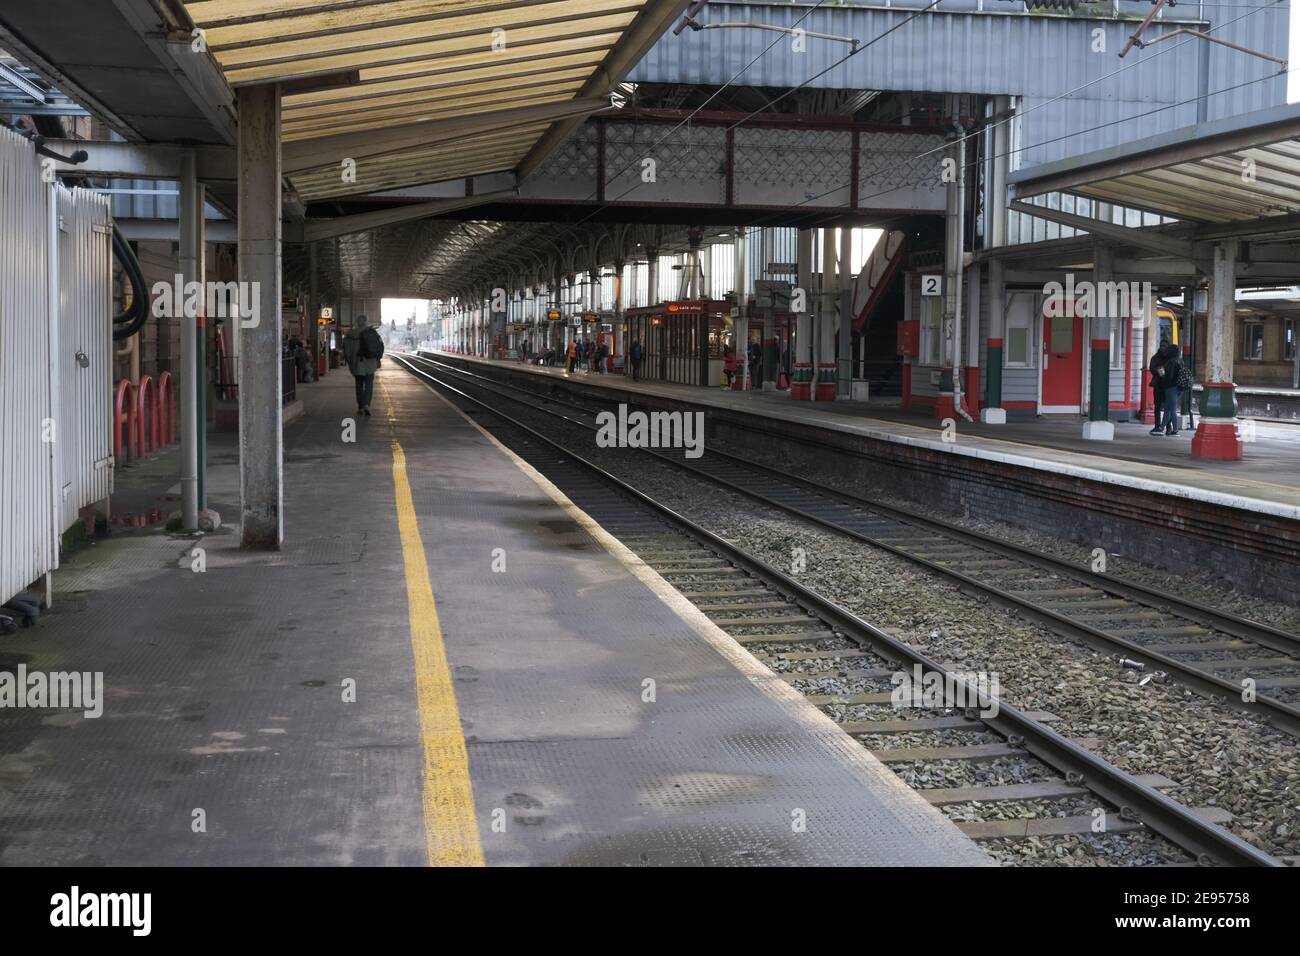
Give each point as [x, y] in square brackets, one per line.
[931, 285]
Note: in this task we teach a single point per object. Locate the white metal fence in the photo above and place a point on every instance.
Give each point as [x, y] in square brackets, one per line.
[55, 362]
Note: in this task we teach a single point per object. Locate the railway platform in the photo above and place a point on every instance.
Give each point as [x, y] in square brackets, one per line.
[1267, 480]
[446, 663]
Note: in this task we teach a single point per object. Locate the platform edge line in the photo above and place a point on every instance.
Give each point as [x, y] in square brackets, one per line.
[450, 824]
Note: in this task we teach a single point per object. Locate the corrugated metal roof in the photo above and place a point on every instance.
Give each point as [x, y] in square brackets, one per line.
[1233, 170]
[1076, 97]
[399, 62]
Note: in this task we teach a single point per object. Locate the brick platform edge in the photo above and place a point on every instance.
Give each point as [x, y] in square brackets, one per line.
[1258, 553]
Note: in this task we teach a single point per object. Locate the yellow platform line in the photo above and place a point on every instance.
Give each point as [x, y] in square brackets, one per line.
[451, 831]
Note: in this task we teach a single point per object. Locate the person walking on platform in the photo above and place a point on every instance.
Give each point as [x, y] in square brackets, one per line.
[634, 356]
[728, 367]
[755, 356]
[363, 349]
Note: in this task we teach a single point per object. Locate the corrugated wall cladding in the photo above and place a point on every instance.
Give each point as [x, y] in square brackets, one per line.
[1033, 56]
[85, 328]
[54, 415]
[26, 490]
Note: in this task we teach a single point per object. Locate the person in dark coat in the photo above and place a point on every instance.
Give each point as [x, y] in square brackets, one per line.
[1156, 369]
[362, 367]
[1170, 372]
[635, 354]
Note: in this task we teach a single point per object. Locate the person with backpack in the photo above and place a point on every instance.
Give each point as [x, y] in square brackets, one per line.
[1170, 374]
[1185, 383]
[363, 348]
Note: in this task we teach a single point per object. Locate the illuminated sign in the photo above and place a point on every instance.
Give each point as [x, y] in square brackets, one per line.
[554, 315]
[673, 307]
[327, 312]
[590, 317]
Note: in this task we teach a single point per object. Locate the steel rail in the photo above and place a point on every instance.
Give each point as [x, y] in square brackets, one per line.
[1282, 715]
[1165, 816]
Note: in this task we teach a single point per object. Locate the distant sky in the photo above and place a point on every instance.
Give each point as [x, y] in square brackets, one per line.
[399, 310]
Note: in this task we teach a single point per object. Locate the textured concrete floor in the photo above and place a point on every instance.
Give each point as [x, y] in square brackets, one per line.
[224, 698]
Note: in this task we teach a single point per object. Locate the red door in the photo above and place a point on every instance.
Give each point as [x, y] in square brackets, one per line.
[1062, 361]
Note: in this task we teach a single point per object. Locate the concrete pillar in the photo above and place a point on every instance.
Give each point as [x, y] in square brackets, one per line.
[801, 305]
[971, 339]
[827, 308]
[747, 374]
[1187, 342]
[1099, 323]
[261, 479]
[1216, 434]
[844, 390]
[189, 329]
[993, 413]
[618, 346]
[313, 309]
[694, 236]
[954, 226]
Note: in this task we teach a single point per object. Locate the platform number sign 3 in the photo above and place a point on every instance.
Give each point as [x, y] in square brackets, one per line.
[932, 285]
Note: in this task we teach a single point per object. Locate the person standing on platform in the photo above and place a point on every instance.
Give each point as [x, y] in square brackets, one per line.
[728, 367]
[573, 356]
[1173, 369]
[755, 356]
[634, 356]
[1156, 367]
[363, 349]
[1165, 371]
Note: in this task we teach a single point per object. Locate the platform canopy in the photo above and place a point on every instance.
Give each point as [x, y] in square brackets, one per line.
[1243, 171]
[424, 91]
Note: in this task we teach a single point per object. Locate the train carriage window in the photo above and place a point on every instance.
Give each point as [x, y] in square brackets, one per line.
[1288, 340]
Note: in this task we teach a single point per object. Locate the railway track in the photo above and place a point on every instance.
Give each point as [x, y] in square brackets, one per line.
[792, 628]
[1251, 666]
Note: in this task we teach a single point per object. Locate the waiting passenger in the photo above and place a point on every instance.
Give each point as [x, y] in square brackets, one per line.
[1172, 372]
[634, 356]
[1156, 368]
[363, 348]
[728, 367]
[573, 356]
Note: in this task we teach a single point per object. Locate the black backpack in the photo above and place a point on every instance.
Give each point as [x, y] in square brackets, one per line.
[371, 345]
[1184, 380]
